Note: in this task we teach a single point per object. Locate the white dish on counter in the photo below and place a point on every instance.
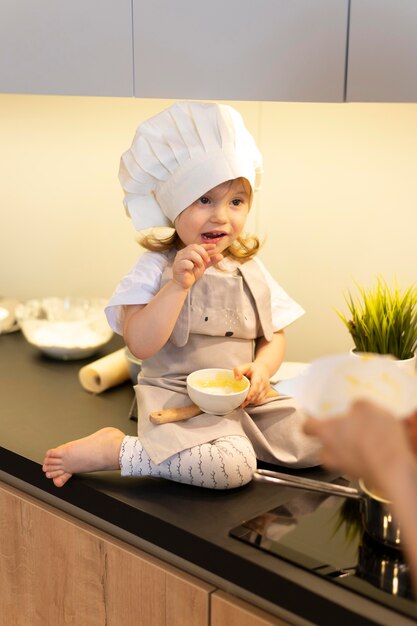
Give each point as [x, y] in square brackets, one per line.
[65, 328]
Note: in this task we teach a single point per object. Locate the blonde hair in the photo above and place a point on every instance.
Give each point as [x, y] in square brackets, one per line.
[243, 248]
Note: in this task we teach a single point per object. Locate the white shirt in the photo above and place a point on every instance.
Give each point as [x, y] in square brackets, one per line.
[143, 281]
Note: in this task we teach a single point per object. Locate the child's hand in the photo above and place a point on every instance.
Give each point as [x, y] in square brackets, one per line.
[258, 374]
[192, 261]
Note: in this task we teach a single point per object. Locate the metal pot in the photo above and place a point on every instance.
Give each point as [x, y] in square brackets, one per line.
[378, 518]
[384, 567]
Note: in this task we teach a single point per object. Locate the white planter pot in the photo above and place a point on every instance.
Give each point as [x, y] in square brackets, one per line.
[407, 365]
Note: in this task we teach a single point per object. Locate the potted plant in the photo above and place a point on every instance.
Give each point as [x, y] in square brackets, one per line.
[383, 320]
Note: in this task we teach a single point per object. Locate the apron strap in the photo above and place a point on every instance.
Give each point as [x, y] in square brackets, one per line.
[255, 280]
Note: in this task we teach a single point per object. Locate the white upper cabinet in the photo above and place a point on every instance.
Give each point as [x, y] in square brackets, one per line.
[240, 49]
[382, 64]
[76, 47]
[282, 50]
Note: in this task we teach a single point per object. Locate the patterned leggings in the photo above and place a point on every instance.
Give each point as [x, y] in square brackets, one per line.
[221, 464]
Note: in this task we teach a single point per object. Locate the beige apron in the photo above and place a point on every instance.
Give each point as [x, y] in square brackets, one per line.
[223, 314]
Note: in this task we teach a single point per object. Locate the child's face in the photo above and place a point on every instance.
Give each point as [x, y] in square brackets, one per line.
[217, 217]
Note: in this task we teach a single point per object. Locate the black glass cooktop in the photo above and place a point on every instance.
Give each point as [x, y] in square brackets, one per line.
[324, 535]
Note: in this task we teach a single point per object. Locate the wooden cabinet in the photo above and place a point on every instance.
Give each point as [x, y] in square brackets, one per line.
[226, 609]
[382, 51]
[241, 49]
[57, 570]
[76, 47]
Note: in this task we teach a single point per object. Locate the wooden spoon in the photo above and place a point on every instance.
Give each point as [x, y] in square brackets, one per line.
[164, 416]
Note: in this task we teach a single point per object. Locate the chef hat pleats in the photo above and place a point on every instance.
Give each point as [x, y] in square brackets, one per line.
[180, 154]
[184, 122]
[206, 125]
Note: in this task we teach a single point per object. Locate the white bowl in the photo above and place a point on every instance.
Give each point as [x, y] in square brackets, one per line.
[216, 390]
[65, 328]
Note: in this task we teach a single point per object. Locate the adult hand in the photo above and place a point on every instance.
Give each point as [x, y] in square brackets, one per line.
[258, 374]
[410, 424]
[191, 262]
[366, 443]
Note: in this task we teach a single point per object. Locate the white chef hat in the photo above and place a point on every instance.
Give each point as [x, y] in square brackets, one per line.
[181, 153]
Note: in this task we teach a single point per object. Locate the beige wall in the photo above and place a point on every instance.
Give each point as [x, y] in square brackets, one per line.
[338, 203]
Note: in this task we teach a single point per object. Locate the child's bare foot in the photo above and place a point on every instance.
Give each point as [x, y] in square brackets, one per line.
[99, 451]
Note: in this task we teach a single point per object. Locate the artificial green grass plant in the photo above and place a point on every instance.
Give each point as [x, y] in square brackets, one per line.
[383, 320]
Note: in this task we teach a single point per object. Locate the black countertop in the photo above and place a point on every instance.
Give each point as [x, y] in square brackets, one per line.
[42, 404]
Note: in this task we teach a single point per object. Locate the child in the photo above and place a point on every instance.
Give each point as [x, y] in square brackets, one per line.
[196, 299]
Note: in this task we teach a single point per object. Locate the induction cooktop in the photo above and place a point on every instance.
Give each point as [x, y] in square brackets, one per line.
[324, 535]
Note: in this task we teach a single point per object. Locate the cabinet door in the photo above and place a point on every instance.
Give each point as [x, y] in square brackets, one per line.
[55, 570]
[240, 49]
[382, 51]
[75, 47]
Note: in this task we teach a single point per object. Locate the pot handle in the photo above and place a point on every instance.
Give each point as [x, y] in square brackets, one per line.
[307, 483]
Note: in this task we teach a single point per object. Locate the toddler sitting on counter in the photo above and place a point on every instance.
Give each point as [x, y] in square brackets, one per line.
[197, 298]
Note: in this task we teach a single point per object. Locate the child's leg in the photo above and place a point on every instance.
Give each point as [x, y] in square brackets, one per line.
[221, 464]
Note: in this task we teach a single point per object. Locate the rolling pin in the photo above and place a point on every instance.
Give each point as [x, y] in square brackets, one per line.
[165, 416]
